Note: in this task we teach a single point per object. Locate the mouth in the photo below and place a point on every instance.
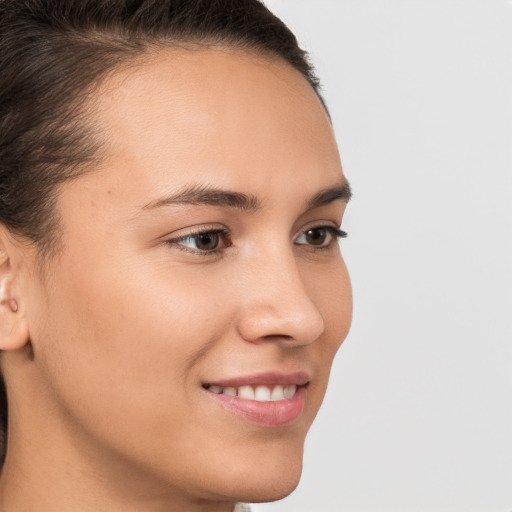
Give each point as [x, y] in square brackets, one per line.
[260, 393]
[269, 399]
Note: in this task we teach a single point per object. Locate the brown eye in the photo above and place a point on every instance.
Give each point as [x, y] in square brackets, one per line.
[316, 236]
[320, 236]
[206, 241]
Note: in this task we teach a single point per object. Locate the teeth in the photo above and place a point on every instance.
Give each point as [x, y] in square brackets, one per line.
[246, 392]
[277, 394]
[258, 393]
[289, 391]
[262, 394]
[230, 391]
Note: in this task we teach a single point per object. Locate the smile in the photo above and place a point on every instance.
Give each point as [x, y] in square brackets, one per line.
[259, 393]
[272, 400]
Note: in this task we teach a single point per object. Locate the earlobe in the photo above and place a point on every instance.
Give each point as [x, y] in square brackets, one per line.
[13, 327]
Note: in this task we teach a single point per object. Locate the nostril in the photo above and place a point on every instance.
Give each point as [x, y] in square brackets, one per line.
[276, 337]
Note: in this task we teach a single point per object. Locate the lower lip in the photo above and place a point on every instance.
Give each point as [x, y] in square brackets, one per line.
[270, 414]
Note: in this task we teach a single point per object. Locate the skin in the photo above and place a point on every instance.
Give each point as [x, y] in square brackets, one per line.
[105, 355]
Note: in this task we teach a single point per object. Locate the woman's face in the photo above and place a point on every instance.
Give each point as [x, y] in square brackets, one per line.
[199, 260]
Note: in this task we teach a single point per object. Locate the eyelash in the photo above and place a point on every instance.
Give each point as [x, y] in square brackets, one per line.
[334, 232]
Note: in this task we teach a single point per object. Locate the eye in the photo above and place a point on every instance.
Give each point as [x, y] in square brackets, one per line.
[320, 236]
[203, 242]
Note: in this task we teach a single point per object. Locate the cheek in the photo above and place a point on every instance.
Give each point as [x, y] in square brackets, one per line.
[121, 344]
[330, 290]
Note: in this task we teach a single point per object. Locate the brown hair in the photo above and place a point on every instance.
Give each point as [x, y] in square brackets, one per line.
[53, 52]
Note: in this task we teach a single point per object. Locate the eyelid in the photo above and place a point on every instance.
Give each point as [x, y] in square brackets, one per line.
[195, 230]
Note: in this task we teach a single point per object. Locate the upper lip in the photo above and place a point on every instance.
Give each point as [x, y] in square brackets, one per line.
[264, 379]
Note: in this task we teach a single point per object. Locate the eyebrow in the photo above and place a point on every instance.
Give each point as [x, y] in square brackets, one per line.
[204, 195]
[200, 194]
[340, 192]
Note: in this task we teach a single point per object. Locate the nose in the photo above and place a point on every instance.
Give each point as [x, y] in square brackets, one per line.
[276, 305]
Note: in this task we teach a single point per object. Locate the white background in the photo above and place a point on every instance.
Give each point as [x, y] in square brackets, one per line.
[418, 417]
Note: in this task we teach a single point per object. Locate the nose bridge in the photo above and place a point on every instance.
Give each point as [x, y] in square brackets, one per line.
[277, 304]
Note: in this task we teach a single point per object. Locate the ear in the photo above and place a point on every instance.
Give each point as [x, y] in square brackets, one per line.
[13, 325]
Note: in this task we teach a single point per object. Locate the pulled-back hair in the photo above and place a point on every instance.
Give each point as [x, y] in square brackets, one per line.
[53, 53]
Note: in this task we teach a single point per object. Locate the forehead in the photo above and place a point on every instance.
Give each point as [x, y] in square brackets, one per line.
[214, 111]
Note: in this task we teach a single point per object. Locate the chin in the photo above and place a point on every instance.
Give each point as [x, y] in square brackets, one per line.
[275, 491]
[268, 491]
[267, 481]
